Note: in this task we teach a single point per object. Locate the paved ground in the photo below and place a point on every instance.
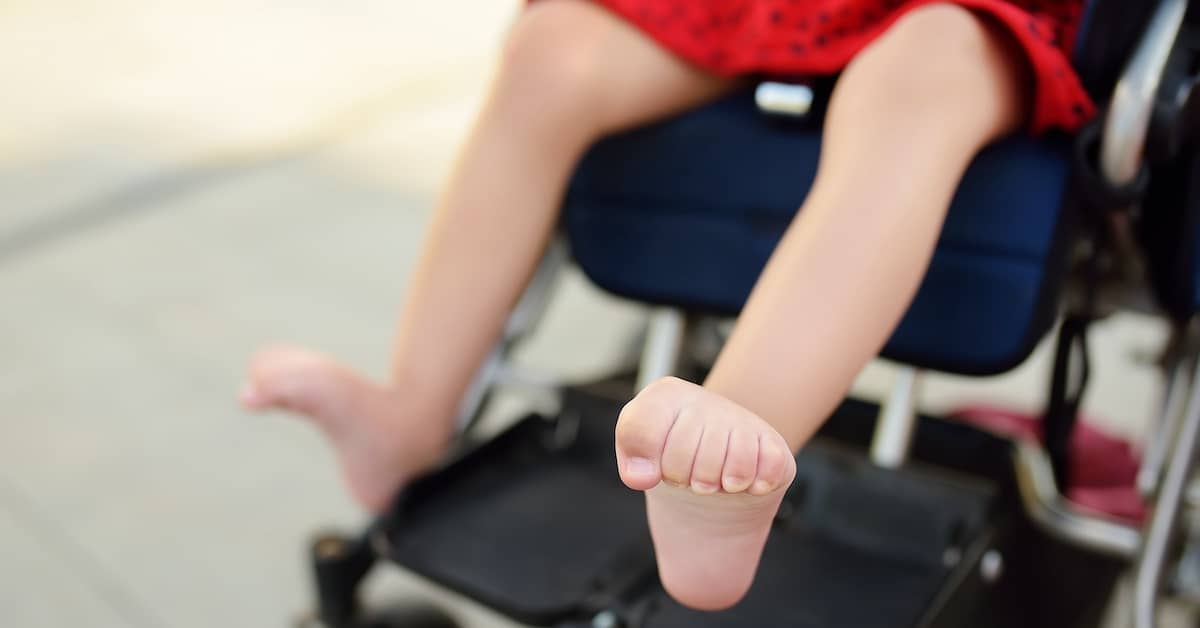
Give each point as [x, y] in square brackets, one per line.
[182, 181]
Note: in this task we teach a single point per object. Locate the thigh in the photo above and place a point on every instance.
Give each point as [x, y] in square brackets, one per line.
[577, 55]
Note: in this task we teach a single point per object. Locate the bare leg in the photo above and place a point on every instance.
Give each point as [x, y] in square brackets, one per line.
[907, 117]
[571, 73]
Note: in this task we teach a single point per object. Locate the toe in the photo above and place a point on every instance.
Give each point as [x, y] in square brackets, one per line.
[679, 452]
[269, 378]
[268, 386]
[642, 433]
[710, 460]
[741, 461]
[253, 397]
[297, 380]
[263, 384]
[776, 466]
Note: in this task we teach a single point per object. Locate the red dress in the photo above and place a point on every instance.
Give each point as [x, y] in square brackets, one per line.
[819, 37]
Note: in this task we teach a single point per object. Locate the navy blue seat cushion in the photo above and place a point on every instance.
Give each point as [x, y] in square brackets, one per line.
[686, 213]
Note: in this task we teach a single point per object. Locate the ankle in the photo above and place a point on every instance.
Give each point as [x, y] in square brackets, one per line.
[416, 404]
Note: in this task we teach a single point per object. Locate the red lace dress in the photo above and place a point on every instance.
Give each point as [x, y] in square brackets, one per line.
[818, 37]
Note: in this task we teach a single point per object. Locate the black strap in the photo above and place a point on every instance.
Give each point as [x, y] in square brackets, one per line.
[1071, 371]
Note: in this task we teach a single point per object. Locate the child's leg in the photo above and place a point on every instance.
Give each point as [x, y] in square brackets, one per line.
[571, 73]
[907, 117]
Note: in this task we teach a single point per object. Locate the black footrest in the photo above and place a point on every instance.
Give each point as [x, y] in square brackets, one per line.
[534, 524]
[537, 525]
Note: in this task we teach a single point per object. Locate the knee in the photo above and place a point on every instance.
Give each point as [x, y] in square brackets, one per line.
[934, 53]
[941, 35]
[939, 22]
[551, 62]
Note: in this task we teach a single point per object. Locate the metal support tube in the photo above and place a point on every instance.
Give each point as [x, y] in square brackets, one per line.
[521, 321]
[1161, 529]
[1132, 104]
[897, 421]
[1166, 426]
[1045, 505]
[542, 387]
[534, 302]
[664, 342]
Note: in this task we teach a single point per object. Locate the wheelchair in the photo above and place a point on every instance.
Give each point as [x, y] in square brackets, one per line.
[895, 519]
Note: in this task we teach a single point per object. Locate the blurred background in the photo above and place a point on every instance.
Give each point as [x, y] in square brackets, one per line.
[182, 181]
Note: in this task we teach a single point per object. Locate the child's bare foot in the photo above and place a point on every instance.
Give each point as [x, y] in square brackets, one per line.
[714, 474]
[380, 437]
